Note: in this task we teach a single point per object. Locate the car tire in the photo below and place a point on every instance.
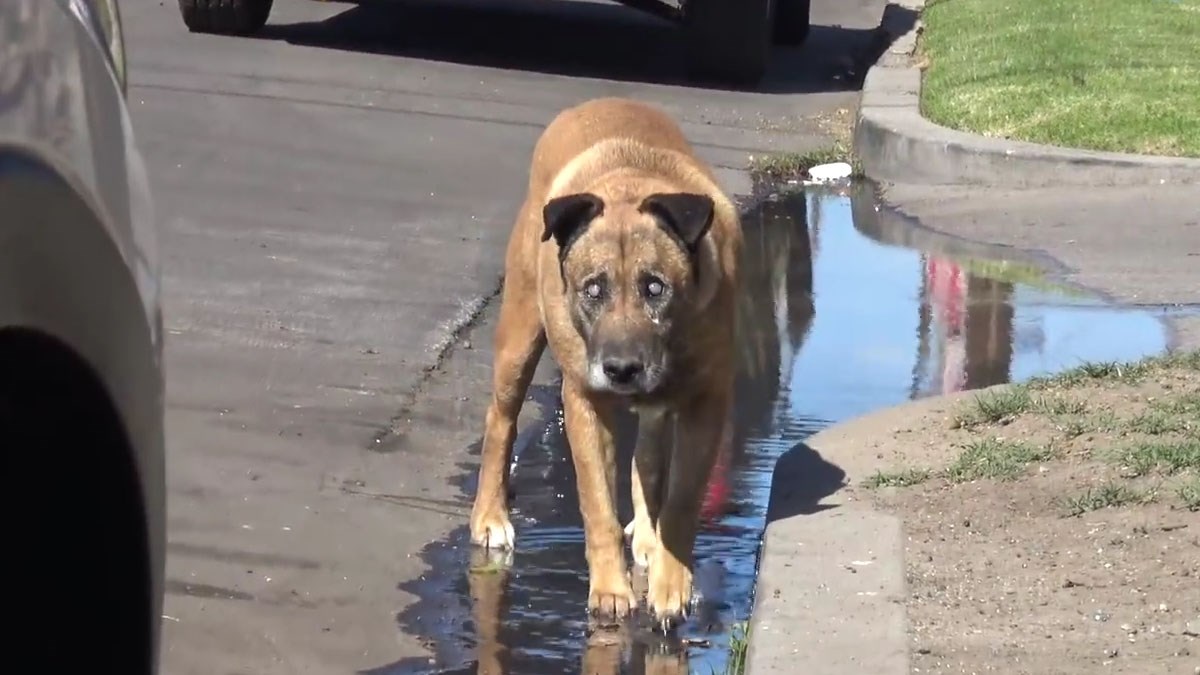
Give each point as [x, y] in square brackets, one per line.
[792, 22]
[225, 17]
[728, 41]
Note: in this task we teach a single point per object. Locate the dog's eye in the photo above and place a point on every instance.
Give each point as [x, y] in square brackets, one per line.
[655, 288]
[593, 290]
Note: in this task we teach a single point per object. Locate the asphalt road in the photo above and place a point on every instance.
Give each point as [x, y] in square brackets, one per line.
[334, 197]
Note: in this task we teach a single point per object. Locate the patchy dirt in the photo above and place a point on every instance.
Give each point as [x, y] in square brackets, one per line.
[1054, 528]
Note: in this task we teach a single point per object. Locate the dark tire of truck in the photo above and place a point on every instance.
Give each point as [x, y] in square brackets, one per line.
[225, 17]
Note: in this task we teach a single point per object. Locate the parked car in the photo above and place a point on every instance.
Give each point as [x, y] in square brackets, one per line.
[81, 375]
[728, 41]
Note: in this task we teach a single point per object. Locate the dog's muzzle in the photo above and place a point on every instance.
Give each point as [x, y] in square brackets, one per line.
[623, 373]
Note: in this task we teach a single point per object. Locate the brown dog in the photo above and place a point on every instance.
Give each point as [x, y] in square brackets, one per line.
[624, 260]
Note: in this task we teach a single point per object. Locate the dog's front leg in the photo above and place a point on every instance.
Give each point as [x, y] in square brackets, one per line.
[697, 439]
[651, 462]
[519, 342]
[590, 433]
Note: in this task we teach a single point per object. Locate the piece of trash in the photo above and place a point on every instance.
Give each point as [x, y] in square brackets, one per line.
[825, 173]
[862, 562]
[170, 618]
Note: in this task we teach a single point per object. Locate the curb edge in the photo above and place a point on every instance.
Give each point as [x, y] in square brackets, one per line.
[895, 143]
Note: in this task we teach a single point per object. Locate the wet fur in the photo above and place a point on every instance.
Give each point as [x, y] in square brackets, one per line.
[632, 164]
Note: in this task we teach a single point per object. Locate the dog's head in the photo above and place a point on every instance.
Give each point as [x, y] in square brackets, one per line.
[631, 265]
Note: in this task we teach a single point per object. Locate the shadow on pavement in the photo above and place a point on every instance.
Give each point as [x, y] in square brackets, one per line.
[812, 479]
[587, 39]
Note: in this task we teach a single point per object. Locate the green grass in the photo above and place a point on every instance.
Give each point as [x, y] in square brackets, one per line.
[995, 459]
[1109, 371]
[1165, 458]
[1155, 452]
[1005, 404]
[1176, 412]
[1187, 403]
[739, 641]
[1117, 75]
[1109, 495]
[901, 478]
[1125, 372]
[786, 165]
[991, 458]
[996, 406]
[1073, 426]
[1159, 422]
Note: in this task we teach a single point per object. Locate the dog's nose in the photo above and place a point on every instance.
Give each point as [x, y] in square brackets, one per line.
[622, 371]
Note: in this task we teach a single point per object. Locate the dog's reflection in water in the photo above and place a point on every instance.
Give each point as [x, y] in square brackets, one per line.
[605, 648]
[610, 650]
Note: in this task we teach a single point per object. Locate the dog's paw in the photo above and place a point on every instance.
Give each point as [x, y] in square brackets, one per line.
[643, 542]
[613, 600]
[492, 529]
[669, 590]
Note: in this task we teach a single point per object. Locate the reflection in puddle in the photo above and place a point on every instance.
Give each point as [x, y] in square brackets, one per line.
[842, 315]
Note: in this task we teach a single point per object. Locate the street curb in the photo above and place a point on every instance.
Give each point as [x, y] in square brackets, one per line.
[896, 144]
[831, 592]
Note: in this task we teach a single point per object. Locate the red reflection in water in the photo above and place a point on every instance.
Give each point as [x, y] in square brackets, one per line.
[718, 481]
[967, 321]
[946, 290]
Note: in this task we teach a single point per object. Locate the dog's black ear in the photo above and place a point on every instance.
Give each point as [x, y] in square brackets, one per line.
[687, 217]
[566, 217]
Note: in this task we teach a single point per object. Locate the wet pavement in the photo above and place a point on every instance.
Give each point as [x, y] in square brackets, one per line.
[841, 316]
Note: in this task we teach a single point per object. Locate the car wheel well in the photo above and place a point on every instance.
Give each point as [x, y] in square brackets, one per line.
[78, 528]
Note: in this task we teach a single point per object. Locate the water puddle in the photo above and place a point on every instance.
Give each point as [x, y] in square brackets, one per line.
[847, 310]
